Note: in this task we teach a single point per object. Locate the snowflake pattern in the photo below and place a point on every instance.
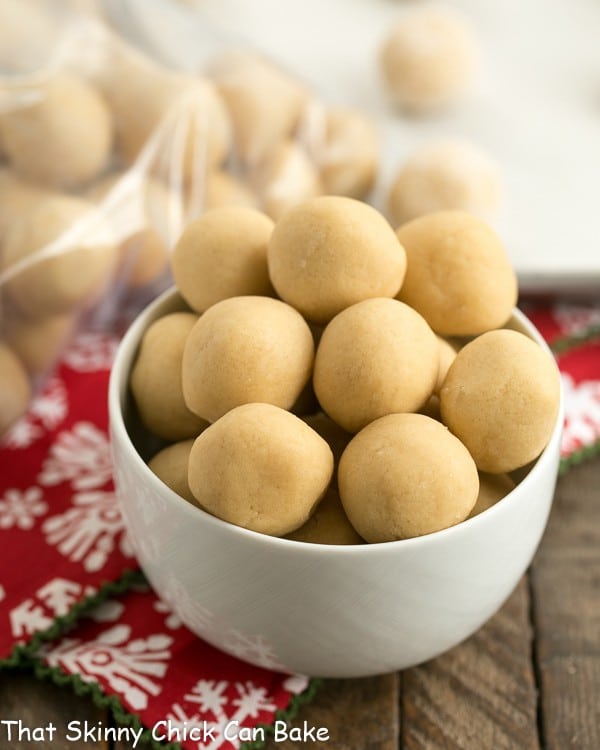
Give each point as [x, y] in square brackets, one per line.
[20, 508]
[132, 668]
[88, 532]
[81, 456]
[216, 707]
[575, 320]
[252, 648]
[172, 621]
[91, 351]
[46, 412]
[582, 414]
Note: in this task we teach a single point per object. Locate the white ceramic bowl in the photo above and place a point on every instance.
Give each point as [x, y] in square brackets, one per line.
[331, 611]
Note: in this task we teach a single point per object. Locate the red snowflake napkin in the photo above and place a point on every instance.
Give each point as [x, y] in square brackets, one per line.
[63, 541]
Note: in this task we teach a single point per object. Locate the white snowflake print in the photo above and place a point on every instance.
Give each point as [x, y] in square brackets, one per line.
[89, 531]
[20, 508]
[216, 708]
[54, 599]
[582, 414]
[90, 352]
[80, 456]
[172, 621]
[131, 668]
[46, 412]
[252, 648]
[296, 683]
[575, 320]
[109, 611]
[22, 434]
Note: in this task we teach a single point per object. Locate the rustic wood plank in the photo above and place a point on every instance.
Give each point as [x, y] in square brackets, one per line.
[480, 694]
[37, 703]
[566, 588]
[359, 714]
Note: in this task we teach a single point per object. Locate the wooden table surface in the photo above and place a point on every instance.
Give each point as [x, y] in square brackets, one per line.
[528, 680]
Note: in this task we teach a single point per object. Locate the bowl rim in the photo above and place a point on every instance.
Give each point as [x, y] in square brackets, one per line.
[123, 360]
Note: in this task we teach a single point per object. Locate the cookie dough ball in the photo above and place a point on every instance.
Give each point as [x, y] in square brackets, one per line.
[447, 355]
[222, 189]
[64, 137]
[244, 350]
[287, 177]
[501, 398]
[330, 252]
[265, 104]
[63, 255]
[349, 157]
[377, 357]
[15, 390]
[17, 198]
[459, 276]
[156, 379]
[429, 60]
[406, 475]
[329, 524]
[171, 466]
[445, 175]
[223, 254]
[260, 467]
[39, 342]
[492, 488]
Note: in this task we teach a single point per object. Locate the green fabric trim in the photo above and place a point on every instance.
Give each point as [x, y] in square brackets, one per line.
[564, 344]
[574, 459]
[23, 654]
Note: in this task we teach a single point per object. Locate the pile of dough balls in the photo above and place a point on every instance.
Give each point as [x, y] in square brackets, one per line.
[330, 380]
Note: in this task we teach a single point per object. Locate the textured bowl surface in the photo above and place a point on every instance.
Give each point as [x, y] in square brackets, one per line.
[315, 609]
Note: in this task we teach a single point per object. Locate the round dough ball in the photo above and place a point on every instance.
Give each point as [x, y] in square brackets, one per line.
[62, 138]
[329, 524]
[265, 104]
[287, 177]
[445, 175]
[447, 355]
[429, 60]
[501, 398]
[223, 254]
[171, 466]
[459, 276]
[492, 488]
[260, 467]
[155, 379]
[406, 475]
[222, 189]
[17, 198]
[374, 358]
[64, 256]
[39, 342]
[244, 350]
[330, 252]
[15, 390]
[349, 157]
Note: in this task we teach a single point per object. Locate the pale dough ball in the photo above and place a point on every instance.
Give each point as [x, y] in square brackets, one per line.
[331, 252]
[459, 276]
[406, 475]
[445, 175]
[501, 398]
[171, 466]
[492, 488]
[39, 342]
[222, 189]
[244, 350]
[260, 467]
[447, 355]
[140, 213]
[156, 379]
[64, 138]
[15, 390]
[63, 255]
[329, 524]
[429, 60]
[286, 177]
[265, 104]
[17, 198]
[349, 157]
[374, 358]
[223, 254]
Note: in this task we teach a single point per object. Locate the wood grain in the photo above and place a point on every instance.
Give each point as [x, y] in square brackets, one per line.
[37, 703]
[479, 696]
[566, 588]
